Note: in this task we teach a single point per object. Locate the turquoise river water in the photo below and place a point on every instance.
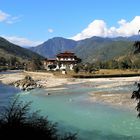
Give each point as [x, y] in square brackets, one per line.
[73, 111]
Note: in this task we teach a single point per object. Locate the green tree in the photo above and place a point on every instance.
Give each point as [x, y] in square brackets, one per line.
[125, 64]
[3, 61]
[13, 61]
[112, 64]
[76, 69]
[136, 96]
[136, 47]
[136, 64]
[102, 65]
[34, 65]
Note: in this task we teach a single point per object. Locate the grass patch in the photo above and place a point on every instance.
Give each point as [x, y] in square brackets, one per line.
[103, 73]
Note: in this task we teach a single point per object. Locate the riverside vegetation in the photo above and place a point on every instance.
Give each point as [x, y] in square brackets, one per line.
[136, 96]
[17, 122]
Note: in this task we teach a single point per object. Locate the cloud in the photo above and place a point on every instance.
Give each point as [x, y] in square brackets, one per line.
[13, 20]
[99, 28]
[22, 41]
[50, 30]
[3, 16]
[7, 18]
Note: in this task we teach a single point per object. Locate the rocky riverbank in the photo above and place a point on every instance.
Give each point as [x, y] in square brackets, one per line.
[26, 84]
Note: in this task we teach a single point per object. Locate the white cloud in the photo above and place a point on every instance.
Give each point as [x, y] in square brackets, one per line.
[13, 20]
[7, 18]
[3, 16]
[122, 22]
[99, 28]
[22, 41]
[50, 30]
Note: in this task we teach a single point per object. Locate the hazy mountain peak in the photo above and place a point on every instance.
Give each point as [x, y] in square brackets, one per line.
[53, 46]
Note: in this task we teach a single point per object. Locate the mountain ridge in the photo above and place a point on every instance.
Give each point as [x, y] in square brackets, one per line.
[8, 49]
[90, 49]
[50, 47]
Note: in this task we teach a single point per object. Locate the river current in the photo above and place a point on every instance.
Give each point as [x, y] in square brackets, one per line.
[70, 107]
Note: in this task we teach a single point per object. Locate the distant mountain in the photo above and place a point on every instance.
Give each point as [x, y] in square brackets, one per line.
[8, 49]
[90, 49]
[53, 46]
[131, 38]
[102, 49]
[26, 47]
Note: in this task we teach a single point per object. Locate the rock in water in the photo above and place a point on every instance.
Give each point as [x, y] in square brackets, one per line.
[26, 84]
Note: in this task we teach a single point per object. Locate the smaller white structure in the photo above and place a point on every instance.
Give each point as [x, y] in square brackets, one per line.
[64, 72]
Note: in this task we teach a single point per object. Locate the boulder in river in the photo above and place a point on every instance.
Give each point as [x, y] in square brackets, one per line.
[26, 84]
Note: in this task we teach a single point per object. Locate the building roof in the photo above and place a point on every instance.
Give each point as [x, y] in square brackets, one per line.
[66, 54]
[50, 59]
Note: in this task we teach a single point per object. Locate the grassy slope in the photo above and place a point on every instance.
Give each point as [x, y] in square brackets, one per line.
[103, 51]
[8, 49]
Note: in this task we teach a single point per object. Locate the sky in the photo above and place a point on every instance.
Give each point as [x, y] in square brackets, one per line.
[31, 22]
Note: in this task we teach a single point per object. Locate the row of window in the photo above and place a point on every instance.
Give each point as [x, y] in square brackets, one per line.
[66, 59]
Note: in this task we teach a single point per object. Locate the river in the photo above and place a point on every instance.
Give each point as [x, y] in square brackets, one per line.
[70, 107]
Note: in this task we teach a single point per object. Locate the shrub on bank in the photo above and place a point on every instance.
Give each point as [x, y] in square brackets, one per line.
[3, 68]
[16, 122]
[105, 76]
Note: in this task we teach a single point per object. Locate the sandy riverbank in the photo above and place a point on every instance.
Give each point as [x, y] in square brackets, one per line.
[45, 79]
[119, 100]
[49, 80]
[114, 96]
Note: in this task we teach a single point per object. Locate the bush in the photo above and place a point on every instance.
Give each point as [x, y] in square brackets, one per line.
[16, 122]
[76, 69]
[136, 96]
[28, 77]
